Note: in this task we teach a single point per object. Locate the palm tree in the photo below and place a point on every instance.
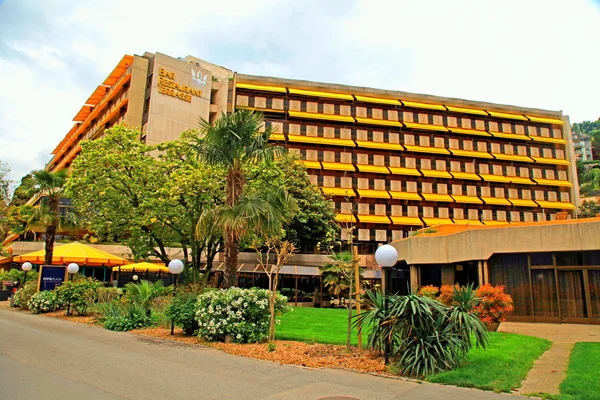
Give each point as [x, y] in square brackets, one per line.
[232, 142]
[49, 186]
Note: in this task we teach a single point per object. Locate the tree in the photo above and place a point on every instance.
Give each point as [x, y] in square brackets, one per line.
[147, 197]
[314, 219]
[4, 197]
[282, 250]
[232, 142]
[50, 187]
[589, 209]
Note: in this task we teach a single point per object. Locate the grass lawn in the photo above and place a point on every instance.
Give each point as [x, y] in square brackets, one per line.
[583, 376]
[501, 367]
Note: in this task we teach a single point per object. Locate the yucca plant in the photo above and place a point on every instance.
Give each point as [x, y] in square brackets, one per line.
[375, 320]
[144, 292]
[464, 302]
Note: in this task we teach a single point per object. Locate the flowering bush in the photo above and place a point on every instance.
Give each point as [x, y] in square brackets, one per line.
[242, 313]
[79, 291]
[429, 291]
[24, 294]
[446, 295]
[494, 304]
[43, 302]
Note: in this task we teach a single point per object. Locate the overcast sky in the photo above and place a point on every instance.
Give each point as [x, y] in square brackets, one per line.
[53, 54]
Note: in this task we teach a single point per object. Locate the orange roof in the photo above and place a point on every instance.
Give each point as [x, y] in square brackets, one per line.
[116, 73]
[66, 138]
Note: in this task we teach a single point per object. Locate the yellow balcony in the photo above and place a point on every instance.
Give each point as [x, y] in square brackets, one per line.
[377, 100]
[373, 219]
[373, 194]
[344, 192]
[437, 197]
[555, 204]
[405, 196]
[378, 169]
[262, 88]
[327, 95]
[333, 166]
[427, 106]
[427, 150]
[466, 199]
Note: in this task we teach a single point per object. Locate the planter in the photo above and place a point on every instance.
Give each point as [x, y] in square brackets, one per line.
[492, 327]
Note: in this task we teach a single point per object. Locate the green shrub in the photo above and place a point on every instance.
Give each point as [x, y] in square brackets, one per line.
[182, 311]
[242, 313]
[123, 317]
[143, 293]
[80, 292]
[107, 294]
[24, 294]
[43, 302]
[17, 275]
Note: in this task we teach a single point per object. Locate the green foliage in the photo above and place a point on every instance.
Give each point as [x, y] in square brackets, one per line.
[424, 335]
[182, 311]
[147, 197]
[107, 294]
[117, 316]
[582, 381]
[271, 346]
[80, 292]
[462, 314]
[337, 272]
[143, 293]
[589, 209]
[24, 294]
[242, 313]
[18, 275]
[44, 301]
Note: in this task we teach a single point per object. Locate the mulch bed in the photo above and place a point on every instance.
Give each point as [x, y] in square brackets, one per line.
[286, 352]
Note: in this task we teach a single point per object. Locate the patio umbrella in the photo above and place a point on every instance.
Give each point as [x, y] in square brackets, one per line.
[142, 266]
[73, 253]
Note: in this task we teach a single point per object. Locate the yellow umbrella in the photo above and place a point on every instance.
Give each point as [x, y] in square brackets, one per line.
[73, 252]
[143, 266]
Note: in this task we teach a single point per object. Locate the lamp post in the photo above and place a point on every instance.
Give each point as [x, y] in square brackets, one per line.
[175, 267]
[135, 278]
[386, 256]
[72, 269]
[26, 267]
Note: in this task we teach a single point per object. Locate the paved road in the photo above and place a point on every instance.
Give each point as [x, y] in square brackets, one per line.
[46, 358]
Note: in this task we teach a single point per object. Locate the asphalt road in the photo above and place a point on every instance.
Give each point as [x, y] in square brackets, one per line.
[46, 358]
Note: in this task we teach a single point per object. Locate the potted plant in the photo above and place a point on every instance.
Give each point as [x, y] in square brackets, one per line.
[494, 306]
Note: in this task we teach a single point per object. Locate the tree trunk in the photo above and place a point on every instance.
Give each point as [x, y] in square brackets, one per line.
[50, 238]
[272, 294]
[235, 186]
[349, 333]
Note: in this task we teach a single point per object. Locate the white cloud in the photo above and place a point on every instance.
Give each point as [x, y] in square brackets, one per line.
[540, 53]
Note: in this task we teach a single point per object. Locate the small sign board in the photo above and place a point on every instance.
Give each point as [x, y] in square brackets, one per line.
[51, 276]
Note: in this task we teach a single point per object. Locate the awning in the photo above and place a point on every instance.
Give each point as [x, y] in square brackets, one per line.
[427, 150]
[471, 153]
[373, 219]
[467, 199]
[346, 192]
[377, 100]
[555, 161]
[466, 131]
[379, 169]
[280, 137]
[437, 221]
[545, 120]
[426, 106]
[374, 121]
[523, 203]
[498, 114]
[333, 166]
[404, 171]
[114, 112]
[465, 175]
[498, 201]
[433, 173]
[373, 194]
[553, 182]
[142, 267]
[521, 180]
[310, 164]
[415, 221]
[74, 252]
[405, 196]
[547, 139]
[345, 218]
[437, 197]
[379, 145]
[466, 110]
[511, 157]
[263, 110]
[315, 93]
[98, 94]
[426, 127]
[494, 178]
[325, 117]
[555, 204]
[475, 222]
[119, 70]
[262, 88]
[514, 136]
[320, 140]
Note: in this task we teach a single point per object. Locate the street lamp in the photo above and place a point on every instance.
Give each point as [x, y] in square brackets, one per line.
[72, 269]
[386, 256]
[26, 267]
[175, 267]
[135, 278]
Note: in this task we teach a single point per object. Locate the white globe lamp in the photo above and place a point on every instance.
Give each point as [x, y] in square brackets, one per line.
[386, 255]
[26, 266]
[176, 267]
[72, 268]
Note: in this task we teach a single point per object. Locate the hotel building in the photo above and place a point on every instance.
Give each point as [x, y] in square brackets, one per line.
[392, 161]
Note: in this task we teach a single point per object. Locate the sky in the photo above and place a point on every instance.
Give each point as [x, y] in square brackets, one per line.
[53, 54]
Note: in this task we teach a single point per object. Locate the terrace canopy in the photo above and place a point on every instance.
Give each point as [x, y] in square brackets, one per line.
[74, 252]
[142, 266]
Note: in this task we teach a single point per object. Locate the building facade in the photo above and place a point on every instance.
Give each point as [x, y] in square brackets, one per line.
[582, 145]
[393, 162]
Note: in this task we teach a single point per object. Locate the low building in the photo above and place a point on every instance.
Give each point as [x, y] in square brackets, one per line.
[551, 269]
[582, 145]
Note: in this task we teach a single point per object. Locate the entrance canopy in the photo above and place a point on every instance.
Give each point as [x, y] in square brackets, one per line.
[73, 252]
